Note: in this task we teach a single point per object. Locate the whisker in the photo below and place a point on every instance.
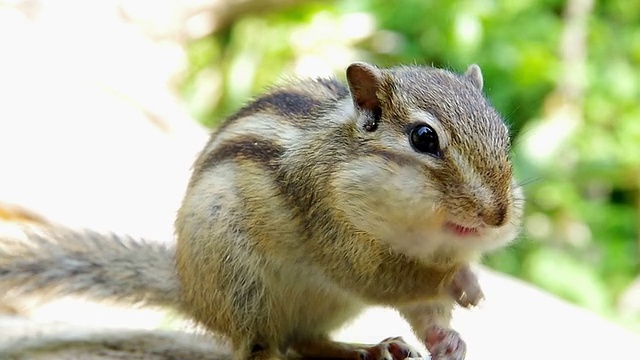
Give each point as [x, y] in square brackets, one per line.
[524, 183]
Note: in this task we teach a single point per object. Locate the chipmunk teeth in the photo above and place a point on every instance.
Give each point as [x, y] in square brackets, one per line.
[460, 230]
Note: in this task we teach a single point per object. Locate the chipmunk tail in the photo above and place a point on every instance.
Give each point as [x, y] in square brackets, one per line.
[51, 261]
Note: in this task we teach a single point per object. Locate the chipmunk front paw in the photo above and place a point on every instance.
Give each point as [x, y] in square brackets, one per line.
[465, 288]
[445, 344]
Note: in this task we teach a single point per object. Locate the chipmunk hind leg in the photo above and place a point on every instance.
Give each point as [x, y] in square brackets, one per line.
[332, 311]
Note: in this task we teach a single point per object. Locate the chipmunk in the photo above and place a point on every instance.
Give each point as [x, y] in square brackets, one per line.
[310, 203]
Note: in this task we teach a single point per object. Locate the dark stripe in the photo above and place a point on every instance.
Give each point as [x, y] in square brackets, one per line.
[284, 103]
[336, 88]
[300, 101]
[260, 151]
[287, 103]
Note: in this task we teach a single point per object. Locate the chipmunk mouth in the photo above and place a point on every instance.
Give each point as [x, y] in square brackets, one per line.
[460, 230]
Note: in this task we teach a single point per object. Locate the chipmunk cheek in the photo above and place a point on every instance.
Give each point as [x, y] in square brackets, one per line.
[381, 197]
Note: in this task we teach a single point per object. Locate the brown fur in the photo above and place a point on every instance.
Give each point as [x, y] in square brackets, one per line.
[281, 262]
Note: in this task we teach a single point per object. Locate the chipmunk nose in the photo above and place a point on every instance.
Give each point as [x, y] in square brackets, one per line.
[496, 216]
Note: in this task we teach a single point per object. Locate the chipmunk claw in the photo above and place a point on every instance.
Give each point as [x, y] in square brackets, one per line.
[445, 344]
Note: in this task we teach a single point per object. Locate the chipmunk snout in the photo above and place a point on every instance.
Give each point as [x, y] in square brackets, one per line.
[497, 216]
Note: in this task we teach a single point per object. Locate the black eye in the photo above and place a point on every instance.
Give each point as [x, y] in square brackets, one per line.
[425, 140]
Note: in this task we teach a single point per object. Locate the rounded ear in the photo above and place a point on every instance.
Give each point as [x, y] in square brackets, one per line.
[474, 75]
[364, 81]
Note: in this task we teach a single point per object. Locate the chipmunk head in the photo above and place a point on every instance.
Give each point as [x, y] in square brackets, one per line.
[433, 168]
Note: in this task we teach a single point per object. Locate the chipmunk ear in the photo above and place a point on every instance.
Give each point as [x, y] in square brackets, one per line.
[364, 81]
[474, 75]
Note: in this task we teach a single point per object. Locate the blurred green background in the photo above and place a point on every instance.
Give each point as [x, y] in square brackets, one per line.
[565, 75]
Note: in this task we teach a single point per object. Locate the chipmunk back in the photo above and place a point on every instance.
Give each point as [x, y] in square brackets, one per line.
[317, 199]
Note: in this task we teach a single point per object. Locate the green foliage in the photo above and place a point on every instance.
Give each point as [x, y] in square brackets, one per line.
[579, 156]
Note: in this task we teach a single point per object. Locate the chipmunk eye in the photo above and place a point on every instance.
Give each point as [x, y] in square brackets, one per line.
[425, 140]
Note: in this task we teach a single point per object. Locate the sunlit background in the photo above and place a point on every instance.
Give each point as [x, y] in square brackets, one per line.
[565, 75]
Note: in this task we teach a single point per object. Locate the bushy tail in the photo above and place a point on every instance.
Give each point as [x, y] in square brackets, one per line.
[53, 261]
